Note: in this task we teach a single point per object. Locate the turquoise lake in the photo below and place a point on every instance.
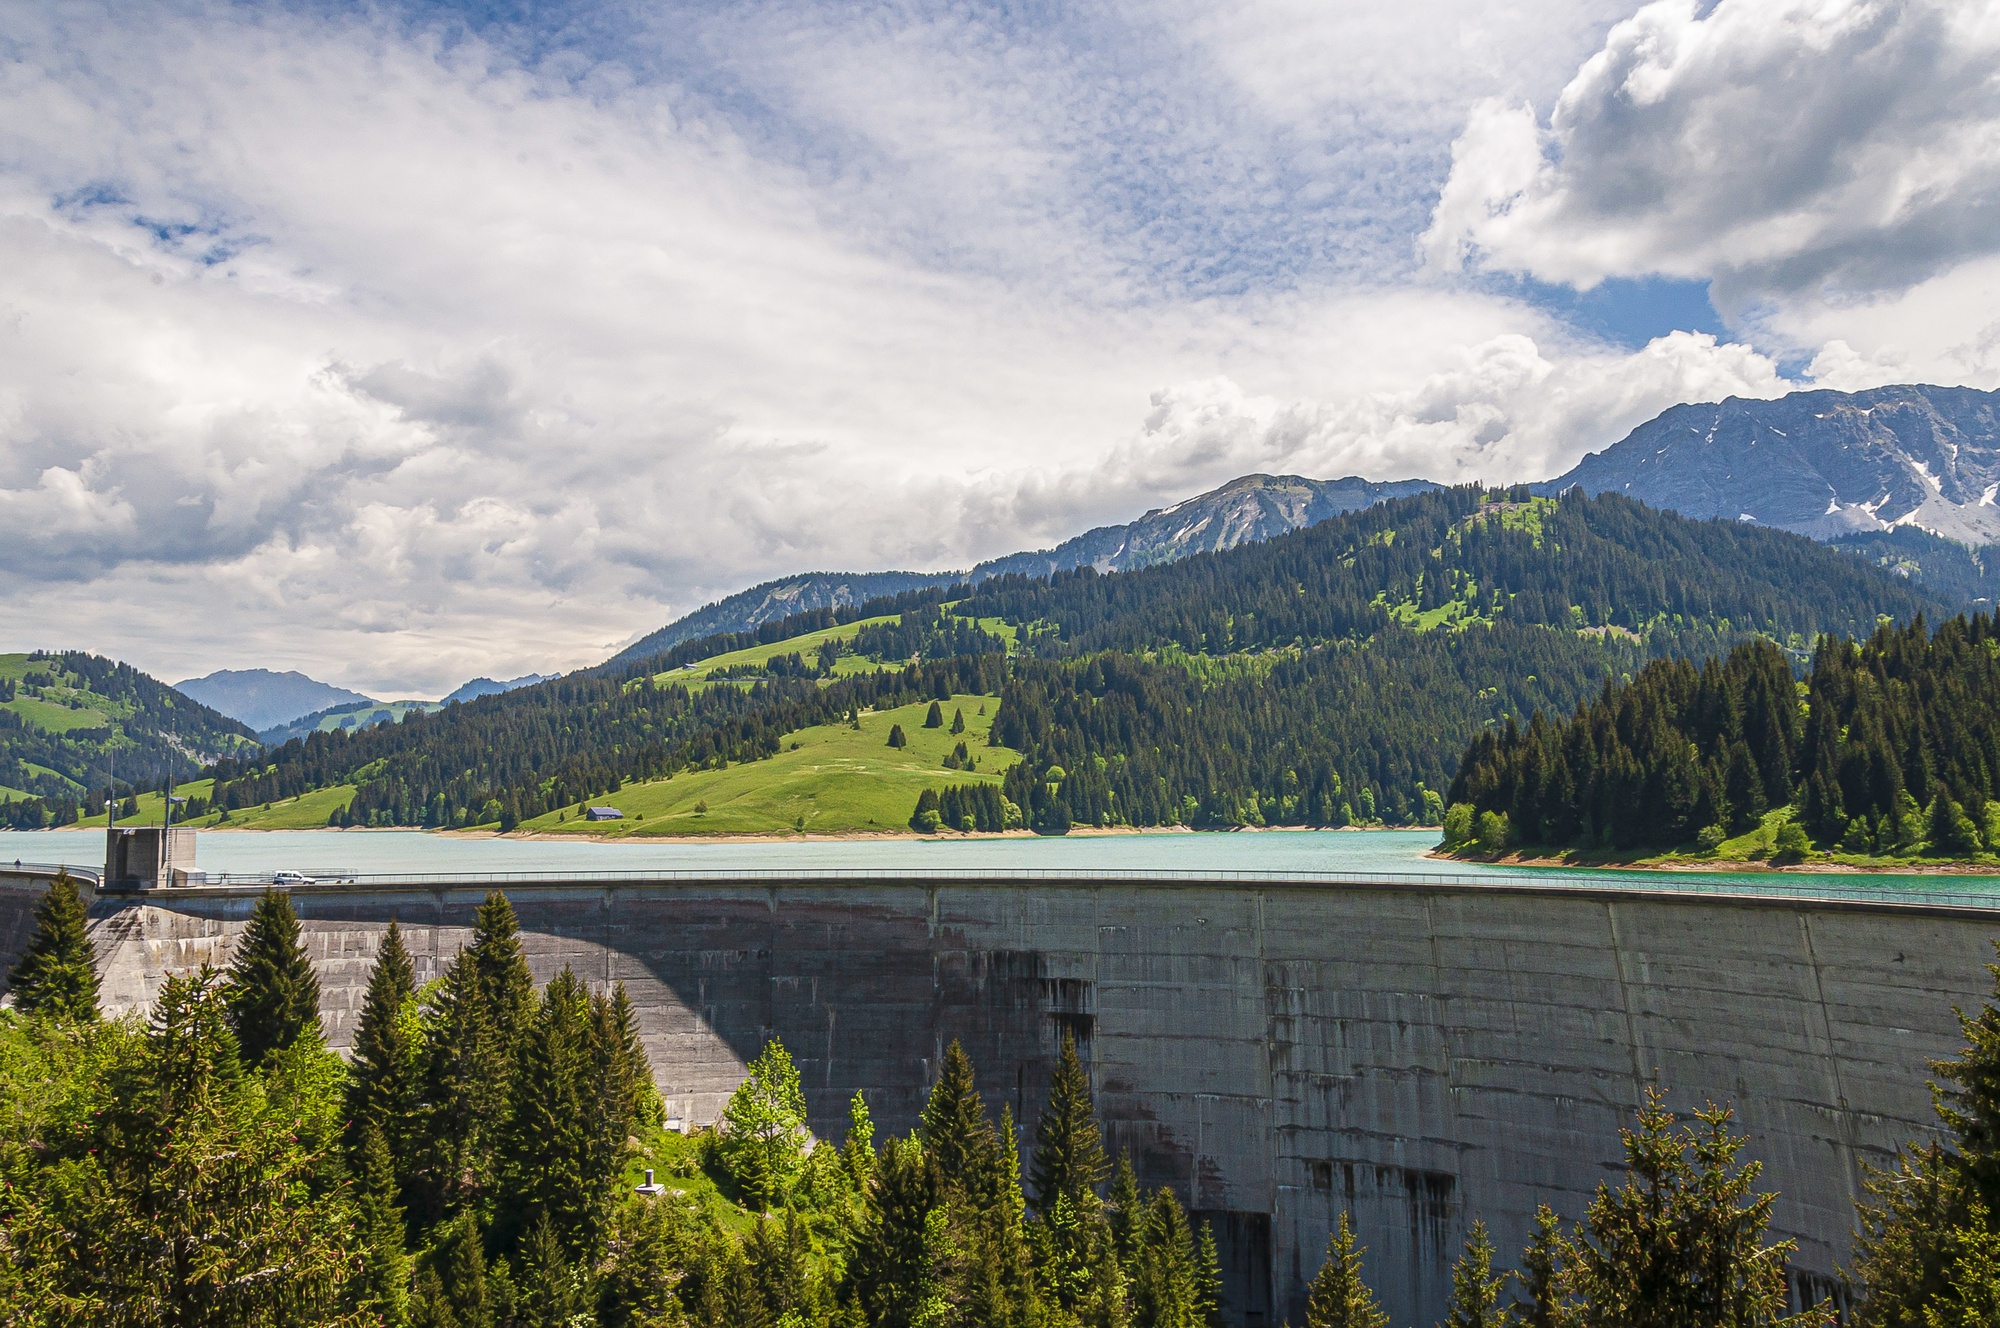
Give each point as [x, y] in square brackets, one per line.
[1383, 854]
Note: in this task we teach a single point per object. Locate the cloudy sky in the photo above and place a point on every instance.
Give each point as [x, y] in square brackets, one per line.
[401, 344]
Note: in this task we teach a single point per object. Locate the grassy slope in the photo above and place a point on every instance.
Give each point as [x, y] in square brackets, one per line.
[695, 676]
[839, 780]
[303, 813]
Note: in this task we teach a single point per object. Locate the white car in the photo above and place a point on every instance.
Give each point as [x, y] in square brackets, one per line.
[291, 878]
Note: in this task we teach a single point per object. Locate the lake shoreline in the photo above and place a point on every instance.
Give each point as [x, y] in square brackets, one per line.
[1712, 866]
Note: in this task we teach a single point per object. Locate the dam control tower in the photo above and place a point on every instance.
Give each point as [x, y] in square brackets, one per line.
[147, 857]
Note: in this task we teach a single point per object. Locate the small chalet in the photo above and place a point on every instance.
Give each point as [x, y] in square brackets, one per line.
[604, 814]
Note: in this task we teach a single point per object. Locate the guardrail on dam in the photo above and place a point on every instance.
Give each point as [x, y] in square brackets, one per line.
[1422, 1053]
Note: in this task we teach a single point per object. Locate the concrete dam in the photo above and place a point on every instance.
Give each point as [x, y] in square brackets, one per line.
[1421, 1055]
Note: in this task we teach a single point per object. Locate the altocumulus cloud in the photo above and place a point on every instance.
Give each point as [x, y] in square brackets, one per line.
[399, 348]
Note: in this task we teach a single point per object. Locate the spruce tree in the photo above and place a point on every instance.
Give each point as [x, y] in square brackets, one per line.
[385, 1269]
[1208, 1280]
[897, 738]
[934, 717]
[466, 1076]
[505, 983]
[957, 721]
[1539, 1302]
[1163, 1281]
[380, 1091]
[1337, 1296]
[55, 975]
[1069, 1150]
[550, 1169]
[1475, 1291]
[895, 1268]
[1686, 1206]
[273, 993]
[1126, 1211]
[956, 1132]
[551, 1291]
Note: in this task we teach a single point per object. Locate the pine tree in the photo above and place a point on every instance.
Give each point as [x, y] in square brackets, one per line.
[466, 1076]
[55, 975]
[1475, 1291]
[1069, 1150]
[636, 1288]
[1163, 1287]
[385, 1272]
[895, 1269]
[934, 717]
[857, 1150]
[273, 993]
[956, 1132]
[505, 983]
[1208, 1279]
[1126, 1211]
[957, 721]
[1337, 1297]
[551, 1289]
[897, 738]
[204, 1207]
[381, 1092]
[1539, 1304]
[1680, 1244]
[550, 1171]
[459, 1275]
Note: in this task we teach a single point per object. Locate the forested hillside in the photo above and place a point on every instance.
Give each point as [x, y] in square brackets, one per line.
[1893, 750]
[72, 723]
[1327, 677]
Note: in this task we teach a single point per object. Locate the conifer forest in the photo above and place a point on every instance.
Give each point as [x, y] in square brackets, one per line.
[474, 1162]
[1890, 746]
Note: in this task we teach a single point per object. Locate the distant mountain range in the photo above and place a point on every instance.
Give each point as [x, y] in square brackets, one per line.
[1904, 477]
[283, 705]
[1247, 509]
[479, 687]
[1825, 464]
[261, 698]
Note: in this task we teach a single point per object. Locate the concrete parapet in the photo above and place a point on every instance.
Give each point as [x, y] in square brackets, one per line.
[1418, 1056]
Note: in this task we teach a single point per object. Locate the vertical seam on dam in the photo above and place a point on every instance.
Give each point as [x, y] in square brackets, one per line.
[1844, 1118]
[1640, 1076]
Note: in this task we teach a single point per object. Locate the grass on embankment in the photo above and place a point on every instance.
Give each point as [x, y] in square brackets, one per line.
[307, 812]
[830, 779]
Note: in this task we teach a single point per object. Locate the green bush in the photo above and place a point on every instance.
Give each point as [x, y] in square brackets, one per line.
[1792, 844]
[1710, 838]
[1458, 825]
[1494, 831]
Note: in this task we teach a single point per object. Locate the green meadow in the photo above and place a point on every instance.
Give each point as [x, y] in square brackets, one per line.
[308, 812]
[830, 779]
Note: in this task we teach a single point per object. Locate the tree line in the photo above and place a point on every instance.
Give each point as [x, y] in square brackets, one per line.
[1894, 747]
[471, 1166]
[1576, 562]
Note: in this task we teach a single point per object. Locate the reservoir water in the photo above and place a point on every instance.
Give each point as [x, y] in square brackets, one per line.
[1383, 855]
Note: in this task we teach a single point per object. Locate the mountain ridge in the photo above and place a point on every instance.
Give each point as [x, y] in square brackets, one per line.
[262, 698]
[1246, 509]
[1820, 463]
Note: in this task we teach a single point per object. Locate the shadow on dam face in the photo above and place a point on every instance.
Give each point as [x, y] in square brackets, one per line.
[1417, 1057]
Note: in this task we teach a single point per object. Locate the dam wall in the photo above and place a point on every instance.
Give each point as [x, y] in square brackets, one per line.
[1419, 1056]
